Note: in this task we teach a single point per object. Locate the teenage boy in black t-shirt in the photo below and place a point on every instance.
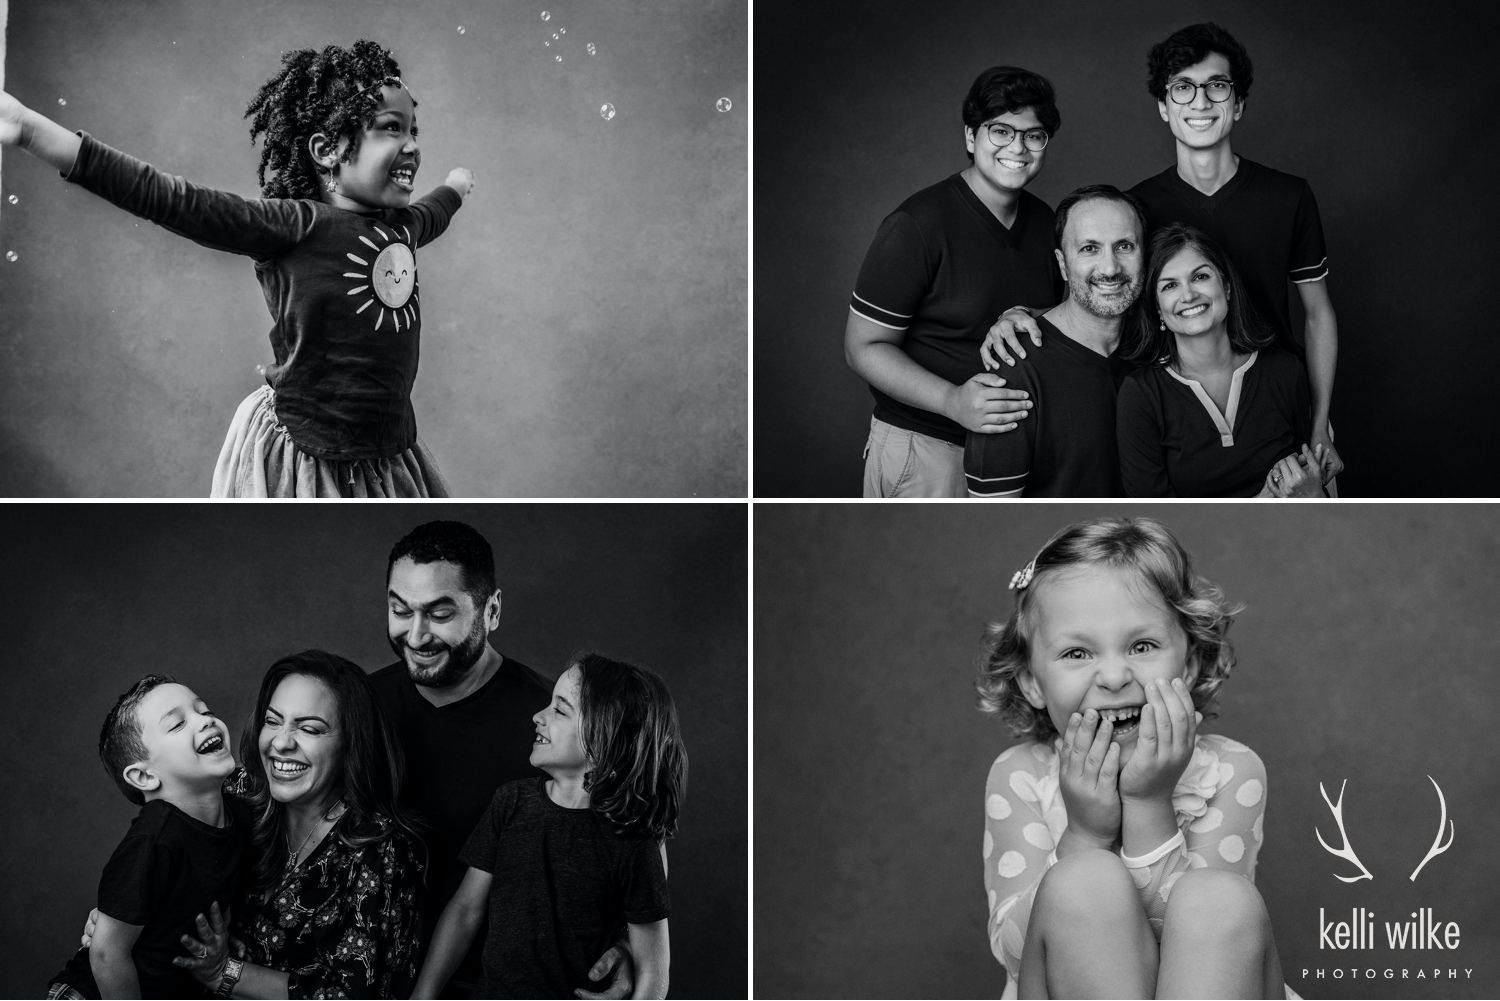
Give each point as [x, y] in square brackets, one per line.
[169, 754]
[940, 269]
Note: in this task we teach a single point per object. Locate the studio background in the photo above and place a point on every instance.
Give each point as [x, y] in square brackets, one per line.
[100, 596]
[859, 104]
[1366, 652]
[583, 328]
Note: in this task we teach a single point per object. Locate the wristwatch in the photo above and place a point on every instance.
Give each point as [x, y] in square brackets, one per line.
[231, 977]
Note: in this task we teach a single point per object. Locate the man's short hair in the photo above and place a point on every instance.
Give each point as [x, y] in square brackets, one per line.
[1108, 192]
[120, 740]
[451, 542]
[1190, 46]
[1000, 89]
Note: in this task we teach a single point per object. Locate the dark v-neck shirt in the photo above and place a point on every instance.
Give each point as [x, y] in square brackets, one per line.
[942, 269]
[456, 757]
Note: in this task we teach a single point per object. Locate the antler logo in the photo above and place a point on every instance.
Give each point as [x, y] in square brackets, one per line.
[1347, 852]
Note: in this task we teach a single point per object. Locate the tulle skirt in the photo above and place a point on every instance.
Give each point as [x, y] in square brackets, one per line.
[259, 459]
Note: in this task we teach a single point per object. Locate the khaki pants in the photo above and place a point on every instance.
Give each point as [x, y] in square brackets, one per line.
[901, 463]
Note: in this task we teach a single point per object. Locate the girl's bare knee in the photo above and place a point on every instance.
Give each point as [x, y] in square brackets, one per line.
[1217, 903]
[1094, 883]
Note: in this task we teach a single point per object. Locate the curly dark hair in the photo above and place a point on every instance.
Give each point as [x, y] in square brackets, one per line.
[637, 762]
[1157, 345]
[1143, 546]
[334, 92]
[1191, 45]
[450, 542]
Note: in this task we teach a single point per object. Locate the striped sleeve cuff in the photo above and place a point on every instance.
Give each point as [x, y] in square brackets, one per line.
[1317, 272]
[996, 486]
[873, 313]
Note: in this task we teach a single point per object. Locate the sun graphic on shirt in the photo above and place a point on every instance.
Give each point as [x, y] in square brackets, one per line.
[391, 279]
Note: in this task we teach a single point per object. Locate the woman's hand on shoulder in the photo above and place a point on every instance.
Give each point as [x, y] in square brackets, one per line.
[461, 179]
[1298, 475]
[1005, 337]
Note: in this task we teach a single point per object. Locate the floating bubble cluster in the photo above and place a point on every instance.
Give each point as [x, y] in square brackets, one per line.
[607, 111]
[592, 50]
[546, 15]
[11, 255]
[724, 104]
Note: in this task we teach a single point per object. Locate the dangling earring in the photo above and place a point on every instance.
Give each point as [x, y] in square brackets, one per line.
[332, 183]
[1161, 324]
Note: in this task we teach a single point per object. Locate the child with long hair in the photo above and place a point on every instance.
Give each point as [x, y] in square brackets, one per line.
[334, 242]
[560, 863]
[1120, 844]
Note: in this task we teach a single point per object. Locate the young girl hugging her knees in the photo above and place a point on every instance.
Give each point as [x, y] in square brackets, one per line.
[334, 243]
[1120, 843]
[561, 864]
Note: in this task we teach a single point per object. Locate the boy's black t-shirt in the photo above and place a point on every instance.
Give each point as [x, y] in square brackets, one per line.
[563, 884]
[168, 869]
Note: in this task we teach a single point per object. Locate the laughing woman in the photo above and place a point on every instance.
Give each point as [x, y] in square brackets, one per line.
[332, 909]
[1215, 410]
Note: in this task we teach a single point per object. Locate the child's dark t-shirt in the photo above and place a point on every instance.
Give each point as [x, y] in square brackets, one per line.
[564, 885]
[167, 870]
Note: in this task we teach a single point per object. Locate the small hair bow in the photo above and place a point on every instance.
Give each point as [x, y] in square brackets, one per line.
[1022, 577]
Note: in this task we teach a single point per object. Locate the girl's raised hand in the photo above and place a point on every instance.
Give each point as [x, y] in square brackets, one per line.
[1089, 776]
[460, 179]
[1168, 728]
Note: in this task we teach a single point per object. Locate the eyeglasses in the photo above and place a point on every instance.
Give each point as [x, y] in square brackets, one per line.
[1186, 92]
[1002, 135]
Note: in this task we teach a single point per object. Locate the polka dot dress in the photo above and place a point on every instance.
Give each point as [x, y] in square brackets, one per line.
[1220, 807]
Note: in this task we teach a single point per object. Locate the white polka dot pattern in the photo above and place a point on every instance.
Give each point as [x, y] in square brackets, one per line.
[1232, 848]
[1250, 793]
[1038, 835]
[1210, 821]
[1012, 864]
[989, 843]
[997, 807]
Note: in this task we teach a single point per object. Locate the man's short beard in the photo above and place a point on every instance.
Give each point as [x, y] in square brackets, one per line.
[1083, 294]
[459, 662]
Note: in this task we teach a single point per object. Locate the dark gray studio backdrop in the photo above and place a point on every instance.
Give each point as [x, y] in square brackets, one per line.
[1367, 653]
[1374, 104]
[584, 327]
[100, 595]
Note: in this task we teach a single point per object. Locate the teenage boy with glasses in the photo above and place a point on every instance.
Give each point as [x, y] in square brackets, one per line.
[1266, 220]
[940, 269]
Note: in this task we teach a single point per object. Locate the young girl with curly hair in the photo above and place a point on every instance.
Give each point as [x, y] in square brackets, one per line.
[1120, 844]
[559, 864]
[334, 242]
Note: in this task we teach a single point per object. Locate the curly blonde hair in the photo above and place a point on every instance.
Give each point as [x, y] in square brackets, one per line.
[1142, 545]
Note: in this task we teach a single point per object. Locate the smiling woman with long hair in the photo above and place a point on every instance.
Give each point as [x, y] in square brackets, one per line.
[1216, 410]
[332, 906]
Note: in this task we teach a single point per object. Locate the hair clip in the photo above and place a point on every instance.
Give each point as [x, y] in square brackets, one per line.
[1022, 577]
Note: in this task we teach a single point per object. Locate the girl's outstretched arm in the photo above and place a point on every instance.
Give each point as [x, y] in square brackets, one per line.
[37, 134]
[454, 933]
[652, 950]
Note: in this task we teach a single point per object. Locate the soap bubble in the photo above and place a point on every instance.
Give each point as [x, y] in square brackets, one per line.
[724, 104]
[11, 255]
[554, 36]
[563, 30]
[461, 29]
[547, 43]
[592, 50]
[558, 58]
[546, 15]
[63, 101]
[607, 111]
[14, 199]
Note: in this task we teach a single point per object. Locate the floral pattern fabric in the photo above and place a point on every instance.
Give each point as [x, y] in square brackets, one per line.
[343, 924]
[1219, 801]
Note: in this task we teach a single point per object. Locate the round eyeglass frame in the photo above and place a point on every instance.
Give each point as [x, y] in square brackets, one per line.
[1027, 139]
[1227, 86]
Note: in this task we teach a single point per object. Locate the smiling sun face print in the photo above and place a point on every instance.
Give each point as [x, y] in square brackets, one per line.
[390, 281]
